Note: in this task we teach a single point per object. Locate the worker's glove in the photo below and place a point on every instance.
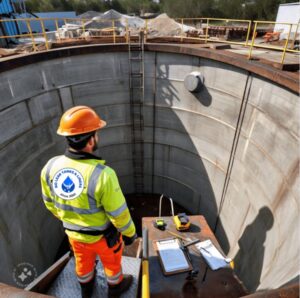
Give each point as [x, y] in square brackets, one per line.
[129, 240]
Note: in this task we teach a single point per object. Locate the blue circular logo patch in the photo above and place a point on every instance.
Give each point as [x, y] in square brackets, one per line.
[68, 184]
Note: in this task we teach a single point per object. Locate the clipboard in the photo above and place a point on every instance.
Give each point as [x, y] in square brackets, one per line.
[172, 258]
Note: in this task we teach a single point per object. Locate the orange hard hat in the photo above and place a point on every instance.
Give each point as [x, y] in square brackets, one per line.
[79, 120]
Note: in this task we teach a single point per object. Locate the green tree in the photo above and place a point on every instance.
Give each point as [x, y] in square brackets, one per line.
[189, 8]
[241, 9]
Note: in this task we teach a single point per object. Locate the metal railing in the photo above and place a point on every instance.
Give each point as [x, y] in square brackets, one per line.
[75, 29]
[218, 30]
[257, 34]
[273, 35]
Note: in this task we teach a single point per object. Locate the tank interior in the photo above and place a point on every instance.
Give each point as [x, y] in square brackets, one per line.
[228, 151]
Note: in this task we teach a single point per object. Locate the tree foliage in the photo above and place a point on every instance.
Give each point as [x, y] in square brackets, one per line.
[241, 9]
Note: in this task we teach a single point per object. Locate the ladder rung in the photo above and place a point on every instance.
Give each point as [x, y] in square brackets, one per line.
[137, 74]
[138, 147]
[138, 168]
[138, 141]
[137, 116]
[140, 157]
[136, 50]
[137, 103]
[138, 163]
[141, 166]
[137, 122]
[136, 59]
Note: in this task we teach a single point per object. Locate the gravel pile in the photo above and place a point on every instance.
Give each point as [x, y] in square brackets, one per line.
[121, 21]
[163, 25]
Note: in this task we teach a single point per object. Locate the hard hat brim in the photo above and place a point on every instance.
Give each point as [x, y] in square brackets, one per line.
[73, 132]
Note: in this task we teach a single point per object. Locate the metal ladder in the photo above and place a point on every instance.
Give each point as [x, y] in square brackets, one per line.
[136, 89]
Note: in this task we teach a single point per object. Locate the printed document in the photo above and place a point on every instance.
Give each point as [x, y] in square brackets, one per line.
[212, 256]
[172, 255]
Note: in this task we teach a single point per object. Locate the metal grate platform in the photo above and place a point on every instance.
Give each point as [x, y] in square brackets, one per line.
[67, 286]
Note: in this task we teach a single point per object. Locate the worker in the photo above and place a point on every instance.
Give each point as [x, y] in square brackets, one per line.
[86, 196]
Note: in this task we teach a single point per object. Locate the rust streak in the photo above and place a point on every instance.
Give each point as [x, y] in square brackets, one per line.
[284, 187]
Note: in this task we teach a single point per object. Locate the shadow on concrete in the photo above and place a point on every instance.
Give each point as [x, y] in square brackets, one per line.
[166, 92]
[169, 93]
[203, 96]
[249, 259]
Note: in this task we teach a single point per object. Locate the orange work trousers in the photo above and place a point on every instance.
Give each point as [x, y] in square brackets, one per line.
[85, 256]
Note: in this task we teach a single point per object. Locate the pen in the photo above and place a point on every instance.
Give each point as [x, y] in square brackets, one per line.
[192, 243]
[205, 250]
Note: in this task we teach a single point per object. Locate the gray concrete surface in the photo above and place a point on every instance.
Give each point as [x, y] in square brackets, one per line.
[188, 146]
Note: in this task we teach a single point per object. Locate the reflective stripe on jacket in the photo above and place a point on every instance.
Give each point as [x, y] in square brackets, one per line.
[85, 195]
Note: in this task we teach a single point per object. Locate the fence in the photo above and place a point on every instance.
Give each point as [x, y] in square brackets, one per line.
[257, 34]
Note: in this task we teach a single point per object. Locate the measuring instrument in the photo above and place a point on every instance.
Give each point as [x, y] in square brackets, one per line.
[160, 222]
[182, 222]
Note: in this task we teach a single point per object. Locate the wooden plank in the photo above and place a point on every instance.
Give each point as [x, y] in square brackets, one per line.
[9, 291]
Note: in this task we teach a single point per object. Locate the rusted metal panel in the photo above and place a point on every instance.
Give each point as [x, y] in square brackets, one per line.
[208, 283]
[263, 68]
[291, 291]
[8, 292]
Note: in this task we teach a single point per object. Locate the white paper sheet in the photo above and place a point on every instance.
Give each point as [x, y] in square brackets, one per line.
[171, 255]
[212, 256]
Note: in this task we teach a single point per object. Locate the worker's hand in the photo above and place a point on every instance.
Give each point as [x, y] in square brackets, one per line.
[129, 240]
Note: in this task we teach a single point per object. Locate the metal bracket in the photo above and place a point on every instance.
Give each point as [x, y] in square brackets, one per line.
[171, 202]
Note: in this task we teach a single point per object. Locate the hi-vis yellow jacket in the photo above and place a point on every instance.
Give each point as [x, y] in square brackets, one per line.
[85, 195]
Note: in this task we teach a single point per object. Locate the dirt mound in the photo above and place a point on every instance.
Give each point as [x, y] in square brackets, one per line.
[163, 26]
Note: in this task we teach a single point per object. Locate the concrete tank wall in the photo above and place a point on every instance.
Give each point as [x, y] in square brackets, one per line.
[240, 131]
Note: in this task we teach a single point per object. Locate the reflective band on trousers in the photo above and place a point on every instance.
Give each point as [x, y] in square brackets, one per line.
[72, 208]
[115, 279]
[86, 278]
[89, 228]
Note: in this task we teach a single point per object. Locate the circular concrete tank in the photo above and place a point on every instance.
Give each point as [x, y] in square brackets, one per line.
[231, 149]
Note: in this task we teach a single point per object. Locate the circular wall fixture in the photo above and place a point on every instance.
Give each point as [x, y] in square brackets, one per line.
[194, 81]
